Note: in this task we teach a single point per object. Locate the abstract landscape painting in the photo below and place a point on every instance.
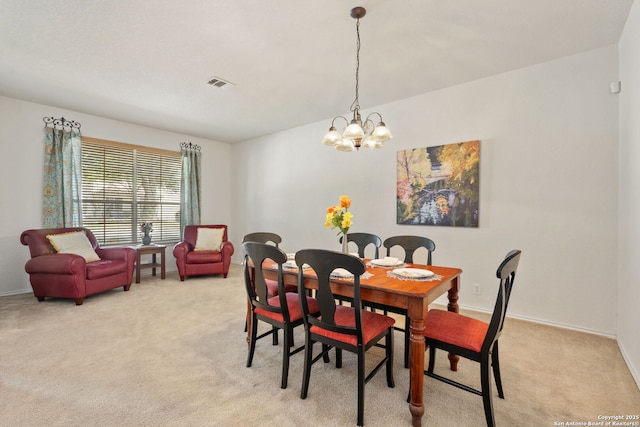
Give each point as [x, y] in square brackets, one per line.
[439, 185]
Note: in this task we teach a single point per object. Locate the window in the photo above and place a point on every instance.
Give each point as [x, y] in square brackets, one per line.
[124, 185]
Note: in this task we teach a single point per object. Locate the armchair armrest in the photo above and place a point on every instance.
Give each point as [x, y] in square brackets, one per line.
[227, 249]
[116, 253]
[56, 264]
[181, 249]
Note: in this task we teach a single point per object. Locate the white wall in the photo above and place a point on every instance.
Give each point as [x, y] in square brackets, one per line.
[549, 184]
[629, 212]
[22, 142]
[548, 175]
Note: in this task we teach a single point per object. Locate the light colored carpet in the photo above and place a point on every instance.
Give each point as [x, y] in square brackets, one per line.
[171, 353]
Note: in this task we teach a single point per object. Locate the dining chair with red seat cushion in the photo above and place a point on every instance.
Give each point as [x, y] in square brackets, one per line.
[474, 339]
[272, 285]
[194, 258]
[409, 244]
[282, 311]
[275, 239]
[263, 237]
[344, 328]
[362, 240]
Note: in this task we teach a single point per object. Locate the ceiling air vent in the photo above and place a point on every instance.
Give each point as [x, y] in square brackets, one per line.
[218, 82]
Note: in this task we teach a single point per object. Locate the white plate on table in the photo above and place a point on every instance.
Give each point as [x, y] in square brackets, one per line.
[292, 264]
[342, 273]
[386, 262]
[413, 273]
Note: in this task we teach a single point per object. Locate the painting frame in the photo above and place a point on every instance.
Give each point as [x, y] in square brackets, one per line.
[439, 185]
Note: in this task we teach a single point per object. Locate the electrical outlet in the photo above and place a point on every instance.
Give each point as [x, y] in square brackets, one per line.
[477, 290]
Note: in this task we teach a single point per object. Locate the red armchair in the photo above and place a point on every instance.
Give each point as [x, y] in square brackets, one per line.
[67, 275]
[194, 262]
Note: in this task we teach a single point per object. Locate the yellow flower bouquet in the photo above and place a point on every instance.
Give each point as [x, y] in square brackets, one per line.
[339, 216]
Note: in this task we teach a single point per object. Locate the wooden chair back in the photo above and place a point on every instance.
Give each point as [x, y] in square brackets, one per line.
[263, 237]
[410, 244]
[362, 240]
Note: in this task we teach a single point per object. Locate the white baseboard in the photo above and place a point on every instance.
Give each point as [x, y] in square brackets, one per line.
[625, 356]
[634, 372]
[443, 301]
[16, 292]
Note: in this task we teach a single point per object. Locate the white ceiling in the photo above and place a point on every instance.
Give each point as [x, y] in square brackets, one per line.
[292, 61]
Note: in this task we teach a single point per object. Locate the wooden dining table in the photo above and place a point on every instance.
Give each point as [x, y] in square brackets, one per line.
[412, 295]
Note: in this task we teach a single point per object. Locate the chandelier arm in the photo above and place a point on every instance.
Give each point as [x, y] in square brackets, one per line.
[368, 125]
[376, 113]
[339, 117]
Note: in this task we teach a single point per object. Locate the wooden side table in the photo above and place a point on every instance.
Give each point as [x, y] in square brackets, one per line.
[152, 250]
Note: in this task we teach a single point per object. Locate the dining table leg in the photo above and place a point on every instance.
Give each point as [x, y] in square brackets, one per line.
[416, 313]
[453, 306]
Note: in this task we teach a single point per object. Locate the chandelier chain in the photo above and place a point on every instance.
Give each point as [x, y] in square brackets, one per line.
[355, 106]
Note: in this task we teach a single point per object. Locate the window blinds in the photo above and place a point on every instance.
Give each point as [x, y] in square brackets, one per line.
[124, 185]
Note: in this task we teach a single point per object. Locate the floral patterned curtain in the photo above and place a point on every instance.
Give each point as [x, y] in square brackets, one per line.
[190, 185]
[62, 175]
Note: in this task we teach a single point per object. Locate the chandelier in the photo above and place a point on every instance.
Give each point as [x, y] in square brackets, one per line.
[357, 132]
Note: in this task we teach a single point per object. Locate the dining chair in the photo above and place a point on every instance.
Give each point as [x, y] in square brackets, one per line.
[282, 311]
[343, 328]
[409, 244]
[274, 239]
[272, 285]
[362, 240]
[472, 338]
[263, 237]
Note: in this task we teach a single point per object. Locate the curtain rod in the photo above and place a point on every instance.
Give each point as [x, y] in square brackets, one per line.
[60, 123]
[189, 146]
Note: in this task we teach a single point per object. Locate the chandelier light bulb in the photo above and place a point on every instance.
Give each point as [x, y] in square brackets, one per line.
[353, 131]
[347, 145]
[369, 142]
[332, 138]
[381, 133]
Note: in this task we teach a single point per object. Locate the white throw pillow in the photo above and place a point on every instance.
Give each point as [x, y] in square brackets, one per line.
[75, 242]
[209, 239]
